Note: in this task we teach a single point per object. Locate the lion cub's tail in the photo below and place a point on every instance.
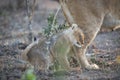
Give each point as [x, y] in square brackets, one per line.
[26, 51]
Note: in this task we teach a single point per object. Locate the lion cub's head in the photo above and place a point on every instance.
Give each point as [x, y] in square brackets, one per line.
[78, 34]
[75, 35]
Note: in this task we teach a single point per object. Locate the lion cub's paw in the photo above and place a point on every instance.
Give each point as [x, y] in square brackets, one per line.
[92, 66]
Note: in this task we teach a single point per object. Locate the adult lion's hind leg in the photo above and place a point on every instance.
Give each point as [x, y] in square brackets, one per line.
[84, 62]
[89, 37]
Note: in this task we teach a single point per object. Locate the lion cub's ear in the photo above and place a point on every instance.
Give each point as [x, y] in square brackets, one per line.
[74, 26]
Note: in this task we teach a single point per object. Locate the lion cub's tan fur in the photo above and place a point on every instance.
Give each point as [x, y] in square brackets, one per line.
[42, 53]
[36, 54]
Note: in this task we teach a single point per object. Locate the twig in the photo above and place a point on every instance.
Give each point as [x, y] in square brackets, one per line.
[55, 16]
[30, 16]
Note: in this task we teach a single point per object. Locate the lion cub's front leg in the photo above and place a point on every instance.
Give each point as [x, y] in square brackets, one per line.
[61, 49]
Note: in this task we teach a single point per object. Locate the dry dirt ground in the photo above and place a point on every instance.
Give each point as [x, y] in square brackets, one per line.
[13, 39]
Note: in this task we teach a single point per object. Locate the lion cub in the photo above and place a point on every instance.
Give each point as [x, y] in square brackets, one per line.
[43, 53]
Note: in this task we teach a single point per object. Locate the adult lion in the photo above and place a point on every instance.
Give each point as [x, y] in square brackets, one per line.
[91, 16]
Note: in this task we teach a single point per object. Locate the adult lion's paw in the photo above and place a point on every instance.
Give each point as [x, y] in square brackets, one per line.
[92, 66]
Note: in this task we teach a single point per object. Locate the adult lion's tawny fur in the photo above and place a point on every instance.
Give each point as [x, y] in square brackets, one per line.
[91, 16]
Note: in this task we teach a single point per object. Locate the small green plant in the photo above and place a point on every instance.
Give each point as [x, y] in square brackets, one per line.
[56, 66]
[29, 75]
[52, 27]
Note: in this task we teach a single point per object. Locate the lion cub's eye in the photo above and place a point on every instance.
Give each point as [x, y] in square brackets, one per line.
[78, 43]
[74, 26]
